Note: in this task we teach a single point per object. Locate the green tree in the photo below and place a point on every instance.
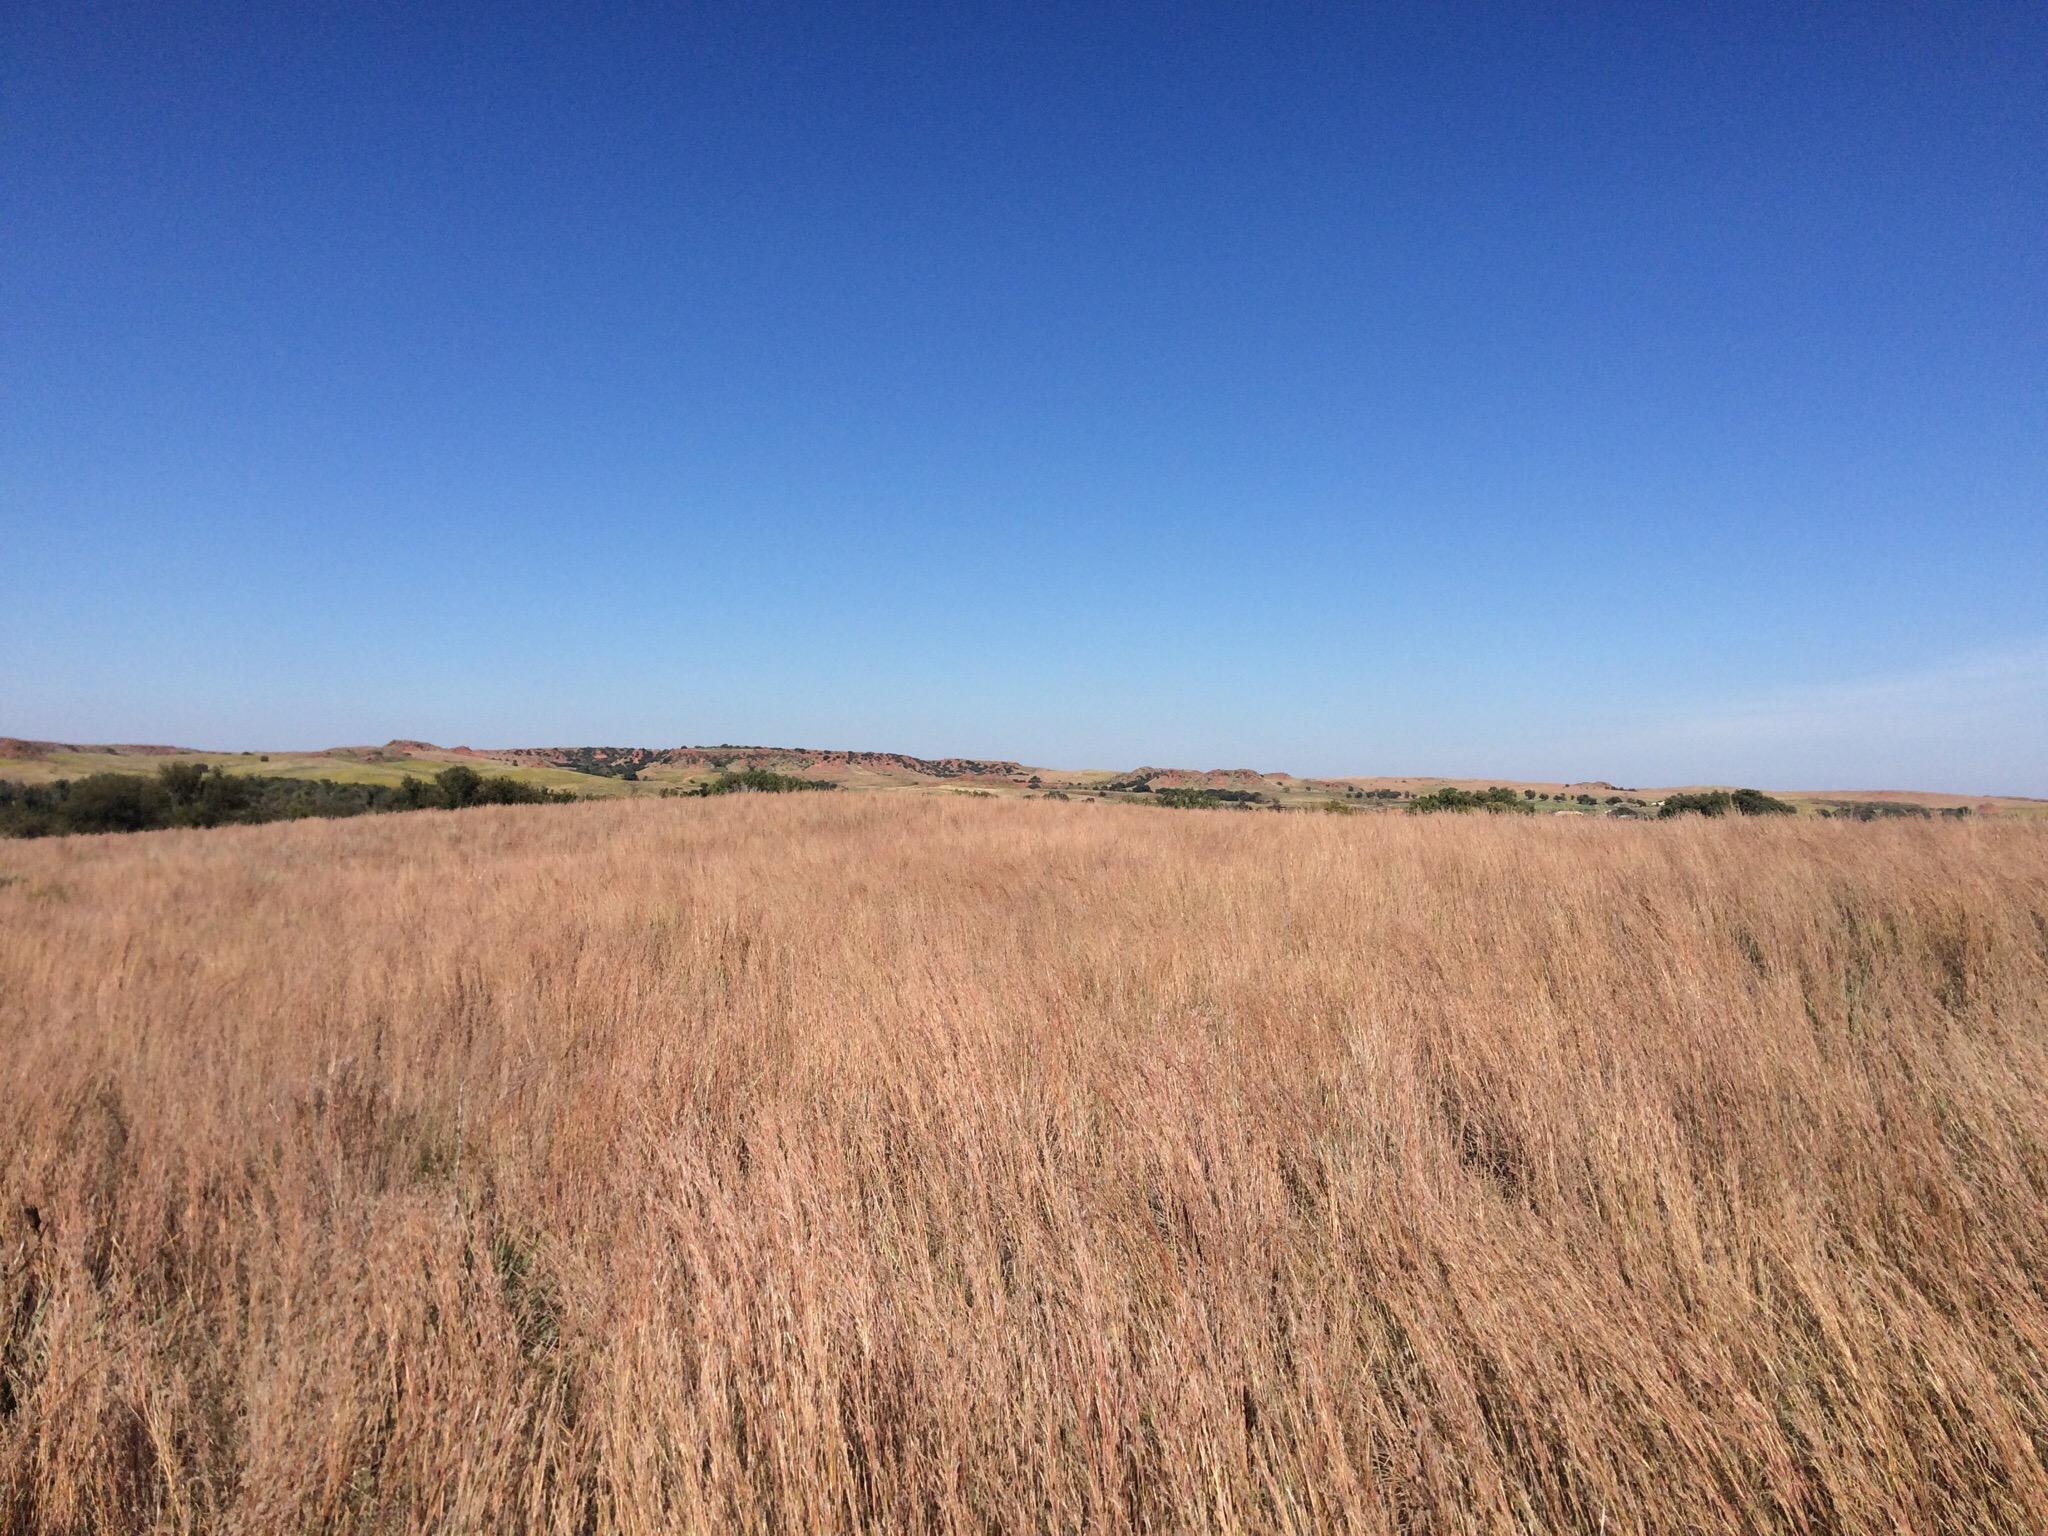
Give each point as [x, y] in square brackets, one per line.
[458, 786]
[1719, 802]
[1754, 802]
[1494, 800]
[115, 802]
[182, 781]
[761, 781]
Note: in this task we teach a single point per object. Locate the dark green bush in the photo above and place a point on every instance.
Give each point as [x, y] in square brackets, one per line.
[195, 795]
[112, 802]
[1720, 802]
[502, 789]
[1187, 798]
[1449, 798]
[760, 781]
[1754, 802]
[1874, 810]
[458, 786]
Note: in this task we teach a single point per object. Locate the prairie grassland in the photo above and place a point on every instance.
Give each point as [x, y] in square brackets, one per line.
[919, 1163]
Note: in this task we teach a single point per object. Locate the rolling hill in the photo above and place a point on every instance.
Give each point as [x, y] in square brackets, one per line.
[608, 771]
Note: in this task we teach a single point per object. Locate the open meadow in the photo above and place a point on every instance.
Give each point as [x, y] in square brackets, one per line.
[933, 1163]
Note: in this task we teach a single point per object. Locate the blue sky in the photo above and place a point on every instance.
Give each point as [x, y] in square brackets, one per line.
[1648, 393]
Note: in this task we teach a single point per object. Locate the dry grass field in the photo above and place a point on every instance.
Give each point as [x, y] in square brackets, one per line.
[831, 1163]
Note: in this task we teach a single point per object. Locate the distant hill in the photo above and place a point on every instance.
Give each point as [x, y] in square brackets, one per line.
[618, 760]
[623, 771]
[14, 747]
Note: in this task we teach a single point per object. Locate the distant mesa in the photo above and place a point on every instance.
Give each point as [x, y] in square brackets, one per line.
[16, 747]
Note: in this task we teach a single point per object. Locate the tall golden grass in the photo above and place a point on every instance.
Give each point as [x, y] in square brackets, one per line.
[885, 1162]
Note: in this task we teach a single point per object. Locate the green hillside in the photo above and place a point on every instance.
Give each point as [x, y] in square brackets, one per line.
[341, 768]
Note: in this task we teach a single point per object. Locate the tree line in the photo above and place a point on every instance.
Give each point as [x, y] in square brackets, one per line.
[1501, 800]
[749, 781]
[1722, 802]
[198, 795]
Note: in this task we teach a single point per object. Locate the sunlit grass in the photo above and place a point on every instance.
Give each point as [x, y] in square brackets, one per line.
[902, 1162]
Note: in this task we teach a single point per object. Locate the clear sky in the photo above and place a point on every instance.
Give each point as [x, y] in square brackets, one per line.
[1648, 393]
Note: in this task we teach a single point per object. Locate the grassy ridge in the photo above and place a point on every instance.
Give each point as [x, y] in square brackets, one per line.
[822, 1162]
[297, 765]
[1288, 792]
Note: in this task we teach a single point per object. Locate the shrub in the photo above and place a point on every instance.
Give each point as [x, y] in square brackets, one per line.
[760, 781]
[1874, 810]
[458, 786]
[1715, 802]
[195, 795]
[114, 802]
[1449, 798]
[1720, 802]
[182, 781]
[503, 789]
[1754, 802]
[1191, 799]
